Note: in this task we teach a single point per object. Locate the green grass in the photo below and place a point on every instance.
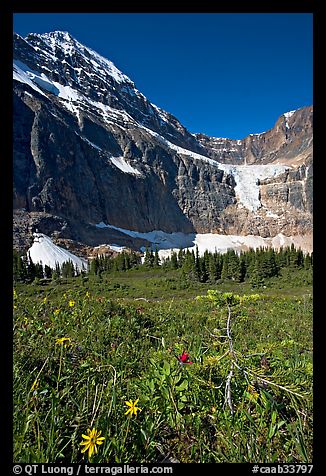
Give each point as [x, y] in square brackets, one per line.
[124, 336]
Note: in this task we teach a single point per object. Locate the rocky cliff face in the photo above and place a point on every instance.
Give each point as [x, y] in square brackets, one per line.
[289, 142]
[90, 148]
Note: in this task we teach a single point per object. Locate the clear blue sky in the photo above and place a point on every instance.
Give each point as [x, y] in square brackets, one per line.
[222, 74]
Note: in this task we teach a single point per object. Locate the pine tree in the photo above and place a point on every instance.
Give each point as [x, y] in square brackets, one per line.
[94, 266]
[149, 258]
[212, 268]
[188, 266]
[31, 269]
[203, 277]
[181, 256]
[197, 264]
[47, 271]
[273, 268]
[39, 273]
[157, 261]
[256, 277]
[307, 261]
[57, 269]
[174, 260]
[19, 267]
[242, 268]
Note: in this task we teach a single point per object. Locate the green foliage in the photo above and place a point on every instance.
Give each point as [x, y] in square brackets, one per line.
[125, 333]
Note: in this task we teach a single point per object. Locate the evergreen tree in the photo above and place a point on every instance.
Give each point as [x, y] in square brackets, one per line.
[39, 273]
[242, 268]
[181, 256]
[47, 271]
[149, 258]
[256, 277]
[272, 262]
[174, 260]
[281, 258]
[225, 266]
[212, 268]
[307, 261]
[231, 266]
[67, 269]
[19, 267]
[157, 261]
[188, 266]
[57, 269]
[197, 264]
[94, 266]
[31, 269]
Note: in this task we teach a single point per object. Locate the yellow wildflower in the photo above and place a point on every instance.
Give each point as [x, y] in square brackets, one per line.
[71, 303]
[133, 408]
[253, 392]
[65, 341]
[44, 300]
[56, 312]
[15, 294]
[35, 385]
[91, 440]
[88, 294]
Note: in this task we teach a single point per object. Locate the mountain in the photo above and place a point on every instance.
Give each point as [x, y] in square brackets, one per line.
[90, 149]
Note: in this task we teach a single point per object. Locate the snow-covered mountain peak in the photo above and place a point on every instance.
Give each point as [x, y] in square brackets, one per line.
[287, 115]
[72, 49]
[54, 37]
[87, 83]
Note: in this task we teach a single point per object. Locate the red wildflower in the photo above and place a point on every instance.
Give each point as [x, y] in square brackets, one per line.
[184, 358]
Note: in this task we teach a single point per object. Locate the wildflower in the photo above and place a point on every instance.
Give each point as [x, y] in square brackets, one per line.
[44, 300]
[65, 341]
[15, 294]
[92, 439]
[56, 312]
[64, 295]
[184, 358]
[35, 385]
[253, 392]
[88, 294]
[133, 408]
[71, 303]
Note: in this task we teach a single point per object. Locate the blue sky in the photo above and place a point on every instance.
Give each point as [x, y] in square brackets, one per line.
[222, 74]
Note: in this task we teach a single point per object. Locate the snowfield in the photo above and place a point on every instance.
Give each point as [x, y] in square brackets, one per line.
[44, 251]
[166, 243]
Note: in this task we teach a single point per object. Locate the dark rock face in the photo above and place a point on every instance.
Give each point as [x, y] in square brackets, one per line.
[90, 148]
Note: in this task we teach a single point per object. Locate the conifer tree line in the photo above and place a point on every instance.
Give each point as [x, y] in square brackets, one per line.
[122, 262]
[252, 265]
[25, 270]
